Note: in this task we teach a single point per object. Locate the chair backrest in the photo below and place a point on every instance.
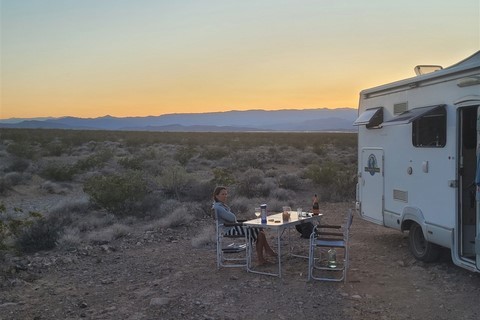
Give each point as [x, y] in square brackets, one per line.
[349, 218]
[348, 224]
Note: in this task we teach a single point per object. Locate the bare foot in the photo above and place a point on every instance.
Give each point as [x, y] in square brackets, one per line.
[272, 253]
[263, 262]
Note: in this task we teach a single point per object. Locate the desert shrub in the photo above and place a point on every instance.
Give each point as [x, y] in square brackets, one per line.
[150, 203]
[307, 158]
[18, 165]
[184, 154]
[252, 158]
[200, 190]
[95, 220]
[149, 154]
[41, 235]
[166, 207]
[58, 172]
[76, 208]
[179, 217]
[14, 224]
[222, 177]
[22, 149]
[289, 181]
[55, 148]
[133, 163]
[69, 238]
[9, 180]
[4, 187]
[108, 234]
[282, 194]
[337, 180]
[320, 150]
[205, 237]
[94, 161]
[117, 193]
[14, 178]
[214, 152]
[322, 175]
[241, 206]
[174, 181]
[252, 184]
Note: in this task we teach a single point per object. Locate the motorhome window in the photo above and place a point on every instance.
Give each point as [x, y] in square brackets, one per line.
[429, 130]
[399, 108]
[371, 118]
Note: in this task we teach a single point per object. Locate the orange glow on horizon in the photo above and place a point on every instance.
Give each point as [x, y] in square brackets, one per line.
[139, 58]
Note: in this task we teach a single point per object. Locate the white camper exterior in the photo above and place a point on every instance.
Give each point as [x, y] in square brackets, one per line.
[417, 160]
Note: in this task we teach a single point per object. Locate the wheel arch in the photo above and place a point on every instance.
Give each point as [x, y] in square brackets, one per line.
[412, 215]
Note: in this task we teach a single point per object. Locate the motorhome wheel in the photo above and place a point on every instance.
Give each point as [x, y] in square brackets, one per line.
[422, 249]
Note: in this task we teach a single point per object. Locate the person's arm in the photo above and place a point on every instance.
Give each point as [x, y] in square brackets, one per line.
[224, 214]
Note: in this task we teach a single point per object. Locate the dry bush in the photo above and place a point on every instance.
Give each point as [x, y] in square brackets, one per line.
[179, 217]
[42, 234]
[117, 193]
[108, 234]
[289, 181]
[69, 239]
[283, 194]
[94, 220]
[205, 237]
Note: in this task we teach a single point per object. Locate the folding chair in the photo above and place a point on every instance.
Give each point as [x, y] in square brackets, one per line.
[333, 249]
[231, 249]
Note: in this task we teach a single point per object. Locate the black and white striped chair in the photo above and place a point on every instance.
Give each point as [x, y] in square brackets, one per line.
[231, 249]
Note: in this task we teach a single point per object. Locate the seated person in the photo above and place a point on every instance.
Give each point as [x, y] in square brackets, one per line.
[225, 215]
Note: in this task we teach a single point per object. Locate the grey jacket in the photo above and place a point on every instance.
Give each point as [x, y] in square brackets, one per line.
[224, 214]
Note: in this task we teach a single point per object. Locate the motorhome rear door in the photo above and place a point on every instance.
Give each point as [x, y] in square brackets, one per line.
[372, 184]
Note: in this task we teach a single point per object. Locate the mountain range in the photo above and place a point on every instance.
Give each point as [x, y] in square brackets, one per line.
[321, 119]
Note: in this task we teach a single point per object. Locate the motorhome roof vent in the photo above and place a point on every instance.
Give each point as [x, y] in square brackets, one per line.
[425, 68]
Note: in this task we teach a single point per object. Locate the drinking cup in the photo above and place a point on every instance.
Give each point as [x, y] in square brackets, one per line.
[299, 212]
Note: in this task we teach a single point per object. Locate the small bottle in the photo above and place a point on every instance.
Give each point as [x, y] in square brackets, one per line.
[315, 206]
[263, 213]
[332, 258]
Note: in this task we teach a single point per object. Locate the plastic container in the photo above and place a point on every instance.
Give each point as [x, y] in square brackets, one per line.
[263, 213]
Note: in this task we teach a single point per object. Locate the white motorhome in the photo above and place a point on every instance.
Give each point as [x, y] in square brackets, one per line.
[417, 159]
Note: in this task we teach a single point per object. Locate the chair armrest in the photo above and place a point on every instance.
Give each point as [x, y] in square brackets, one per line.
[329, 226]
[335, 234]
[232, 224]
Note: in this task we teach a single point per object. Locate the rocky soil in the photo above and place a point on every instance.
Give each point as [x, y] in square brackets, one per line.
[159, 274]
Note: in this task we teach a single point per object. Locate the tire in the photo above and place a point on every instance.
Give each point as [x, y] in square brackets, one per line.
[420, 248]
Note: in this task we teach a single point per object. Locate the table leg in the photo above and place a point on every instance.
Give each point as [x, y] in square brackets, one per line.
[279, 253]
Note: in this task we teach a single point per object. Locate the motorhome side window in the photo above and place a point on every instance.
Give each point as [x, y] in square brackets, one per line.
[430, 130]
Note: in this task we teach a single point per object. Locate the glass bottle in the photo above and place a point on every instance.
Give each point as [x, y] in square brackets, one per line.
[315, 206]
[332, 258]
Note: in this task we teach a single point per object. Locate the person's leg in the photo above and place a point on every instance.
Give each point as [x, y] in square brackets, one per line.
[268, 249]
[259, 247]
[262, 244]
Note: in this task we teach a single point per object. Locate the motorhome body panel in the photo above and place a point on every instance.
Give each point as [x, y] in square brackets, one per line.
[425, 182]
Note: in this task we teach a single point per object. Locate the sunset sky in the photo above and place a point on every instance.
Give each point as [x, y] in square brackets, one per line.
[90, 58]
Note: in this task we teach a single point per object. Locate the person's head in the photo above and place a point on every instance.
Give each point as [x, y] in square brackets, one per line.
[220, 194]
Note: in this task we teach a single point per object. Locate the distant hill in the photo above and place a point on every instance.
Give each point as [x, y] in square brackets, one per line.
[251, 120]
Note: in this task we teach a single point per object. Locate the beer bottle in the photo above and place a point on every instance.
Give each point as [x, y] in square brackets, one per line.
[315, 206]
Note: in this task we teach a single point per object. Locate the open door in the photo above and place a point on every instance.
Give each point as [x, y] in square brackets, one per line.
[477, 182]
[372, 185]
[467, 168]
